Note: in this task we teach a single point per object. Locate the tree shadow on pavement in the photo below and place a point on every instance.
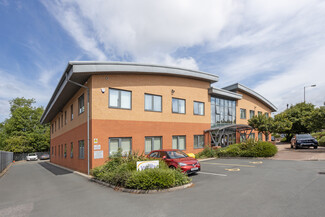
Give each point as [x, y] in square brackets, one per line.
[54, 169]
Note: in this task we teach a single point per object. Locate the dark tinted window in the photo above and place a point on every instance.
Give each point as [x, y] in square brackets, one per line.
[304, 136]
[176, 154]
[154, 154]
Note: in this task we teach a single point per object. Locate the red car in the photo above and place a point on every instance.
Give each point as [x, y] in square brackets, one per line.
[177, 159]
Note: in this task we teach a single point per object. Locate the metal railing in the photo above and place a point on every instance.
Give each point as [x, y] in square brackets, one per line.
[5, 159]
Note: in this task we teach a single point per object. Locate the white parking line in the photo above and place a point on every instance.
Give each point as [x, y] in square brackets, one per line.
[214, 174]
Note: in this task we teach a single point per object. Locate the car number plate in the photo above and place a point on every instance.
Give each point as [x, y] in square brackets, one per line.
[194, 168]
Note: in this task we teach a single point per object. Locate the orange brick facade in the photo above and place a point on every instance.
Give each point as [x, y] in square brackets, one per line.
[134, 123]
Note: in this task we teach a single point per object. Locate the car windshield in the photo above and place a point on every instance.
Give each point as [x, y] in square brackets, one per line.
[176, 154]
[32, 154]
[304, 136]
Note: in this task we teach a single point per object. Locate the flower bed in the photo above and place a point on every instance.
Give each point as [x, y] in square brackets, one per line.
[121, 172]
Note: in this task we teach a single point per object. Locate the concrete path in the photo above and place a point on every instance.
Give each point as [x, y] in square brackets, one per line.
[287, 153]
[243, 187]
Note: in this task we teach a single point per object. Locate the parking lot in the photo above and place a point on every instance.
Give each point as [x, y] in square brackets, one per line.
[287, 153]
[224, 187]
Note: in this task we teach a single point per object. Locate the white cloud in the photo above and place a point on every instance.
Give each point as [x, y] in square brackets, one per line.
[12, 87]
[272, 43]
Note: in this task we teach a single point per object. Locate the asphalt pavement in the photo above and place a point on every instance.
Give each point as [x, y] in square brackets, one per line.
[224, 187]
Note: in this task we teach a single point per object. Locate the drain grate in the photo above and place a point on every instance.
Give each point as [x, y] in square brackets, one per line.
[322, 173]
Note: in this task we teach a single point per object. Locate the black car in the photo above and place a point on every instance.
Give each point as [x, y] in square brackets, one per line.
[303, 140]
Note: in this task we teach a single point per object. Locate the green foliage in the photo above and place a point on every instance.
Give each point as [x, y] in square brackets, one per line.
[121, 171]
[262, 123]
[318, 135]
[22, 132]
[250, 148]
[283, 139]
[321, 141]
[206, 153]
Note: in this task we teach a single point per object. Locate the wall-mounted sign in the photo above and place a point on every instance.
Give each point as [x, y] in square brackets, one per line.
[95, 140]
[97, 147]
[142, 165]
[98, 154]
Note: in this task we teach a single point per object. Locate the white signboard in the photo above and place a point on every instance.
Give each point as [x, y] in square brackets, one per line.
[95, 140]
[142, 165]
[98, 154]
[97, 147]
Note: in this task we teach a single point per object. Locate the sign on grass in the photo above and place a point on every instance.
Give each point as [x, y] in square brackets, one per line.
[142, 165]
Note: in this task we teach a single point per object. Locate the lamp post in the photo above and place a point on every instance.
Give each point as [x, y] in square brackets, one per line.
[313, 85]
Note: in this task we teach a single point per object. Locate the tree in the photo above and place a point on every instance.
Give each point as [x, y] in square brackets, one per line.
[262, 123]
[22, 132]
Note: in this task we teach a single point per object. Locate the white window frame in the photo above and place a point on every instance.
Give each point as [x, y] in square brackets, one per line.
[244, 110]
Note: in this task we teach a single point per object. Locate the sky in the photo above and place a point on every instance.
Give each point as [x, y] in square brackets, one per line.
[273, 47]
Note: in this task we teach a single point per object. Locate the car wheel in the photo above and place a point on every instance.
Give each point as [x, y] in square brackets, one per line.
[315, 147]
[296, 147]
[172, 167]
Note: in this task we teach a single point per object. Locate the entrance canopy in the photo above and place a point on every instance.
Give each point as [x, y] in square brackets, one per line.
[226, 135]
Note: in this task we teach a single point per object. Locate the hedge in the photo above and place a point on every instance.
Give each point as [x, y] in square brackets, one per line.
[250, 148]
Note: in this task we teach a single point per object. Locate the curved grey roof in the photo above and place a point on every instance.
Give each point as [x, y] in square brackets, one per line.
[252, 93]
[224, 93]
[80, 71]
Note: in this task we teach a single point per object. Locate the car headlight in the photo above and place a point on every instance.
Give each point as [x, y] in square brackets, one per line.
[182, 164]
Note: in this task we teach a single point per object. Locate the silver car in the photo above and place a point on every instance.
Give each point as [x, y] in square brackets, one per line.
[31, 156]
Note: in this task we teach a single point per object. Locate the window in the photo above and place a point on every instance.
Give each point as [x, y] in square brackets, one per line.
[266, 137]
[251, 113]
[119, 99]
[81, 149]
[59, 150]
[125, 144]
[260, 138]
[59, 123]
[71, 108]
[252, 136]
[155, 154]
[62, 150]
[62, 120]
[242, 113]
[178, 106]
[198, 141]
[71, 150]
[55, 150]
[179, 142]
[81, 104]
[65, 150]
[152, 143]
[198, 108]
[259, 113]
[65, 117]
[52, 129]
[152, 102]
[52, 149]
[223, 112]
[55, 125]
[266, 114]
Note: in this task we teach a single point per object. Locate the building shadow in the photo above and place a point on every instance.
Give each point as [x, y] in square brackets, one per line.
[54, 169]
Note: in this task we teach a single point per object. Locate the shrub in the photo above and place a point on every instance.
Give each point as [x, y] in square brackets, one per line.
[318, 135]
[321, 142]
[154, 179]
[250, 148]
[206, 153]
[283, 139]
[121, 171]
